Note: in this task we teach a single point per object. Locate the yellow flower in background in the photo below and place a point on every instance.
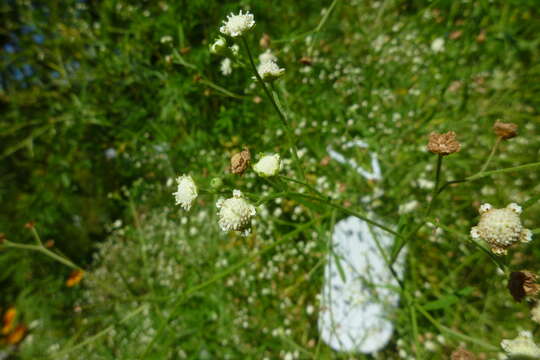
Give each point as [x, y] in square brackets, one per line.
[74, 278]
[8, 320]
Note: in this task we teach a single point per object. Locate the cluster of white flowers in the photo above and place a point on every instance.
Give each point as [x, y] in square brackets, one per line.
[268, 165]
[237, 25]
[235, 213]
[523, 346]
[500, 228]
[186, 192]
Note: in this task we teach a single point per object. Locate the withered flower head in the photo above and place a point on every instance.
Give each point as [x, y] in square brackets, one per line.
[522, 284]
[505, 130]
[264, 42]
[74, 278]
[443, 144]
[240, 161]
[462, 354]
[306, 60]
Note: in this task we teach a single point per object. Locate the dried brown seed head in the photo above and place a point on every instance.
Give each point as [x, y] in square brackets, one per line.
[306, 60]
[443, 144]
[265, 41]
[505, 130]
[522, 284]
[462, 354]
[240, 161]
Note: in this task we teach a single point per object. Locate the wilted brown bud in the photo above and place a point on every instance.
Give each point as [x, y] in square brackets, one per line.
[240, 161]
[49, 243]
[456, 34]
[185, 50]
[522, 284]
[481, 37]
[462, 354]
[30, 225]
[265, 41]
[505, 130]
[443, 144]
[306, 60]
[2, 238]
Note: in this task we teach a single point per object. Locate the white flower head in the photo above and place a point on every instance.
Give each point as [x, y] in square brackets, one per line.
[437, 45]
[235, 213]
[225, 67]
[522, 346]
[186, 192]
[236, 25]
[218, 45]
[268, 165]
[269, 70]
[500, 228]
[267, 56]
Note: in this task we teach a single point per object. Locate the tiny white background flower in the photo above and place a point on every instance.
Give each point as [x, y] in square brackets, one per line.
[437, 45]
[226, 68]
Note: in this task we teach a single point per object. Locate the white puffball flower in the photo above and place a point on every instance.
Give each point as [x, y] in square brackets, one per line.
[234, 214]
[268, 165]
[522, 346]
[186, 192]
[267, 56]
[236, 25]
[500, 228]
[225, 67]
[269, 70]
[437, 45]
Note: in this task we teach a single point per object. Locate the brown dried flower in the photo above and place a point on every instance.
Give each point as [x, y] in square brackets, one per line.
[505, 130]
[306, 60]
[265, 40]
[443, 144]
[462, 354]
[522, 284]
[240, 161]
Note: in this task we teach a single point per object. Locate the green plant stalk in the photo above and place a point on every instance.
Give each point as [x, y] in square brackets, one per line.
[493, 150]
[282, 116]
[40, 248]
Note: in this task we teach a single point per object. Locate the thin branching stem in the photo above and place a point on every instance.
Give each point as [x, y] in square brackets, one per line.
[280, 113]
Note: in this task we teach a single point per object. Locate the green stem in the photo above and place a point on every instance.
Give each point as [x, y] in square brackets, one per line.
[493, 150]
[347, 211]
[43, 250]
[302, 183]
[436, 186]
[281, 115]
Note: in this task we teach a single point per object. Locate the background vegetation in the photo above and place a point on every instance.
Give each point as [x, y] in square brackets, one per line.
[105, 102]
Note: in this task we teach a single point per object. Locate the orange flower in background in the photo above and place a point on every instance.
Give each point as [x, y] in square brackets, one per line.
[8, 320]
[74, 278]
[17, 335]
